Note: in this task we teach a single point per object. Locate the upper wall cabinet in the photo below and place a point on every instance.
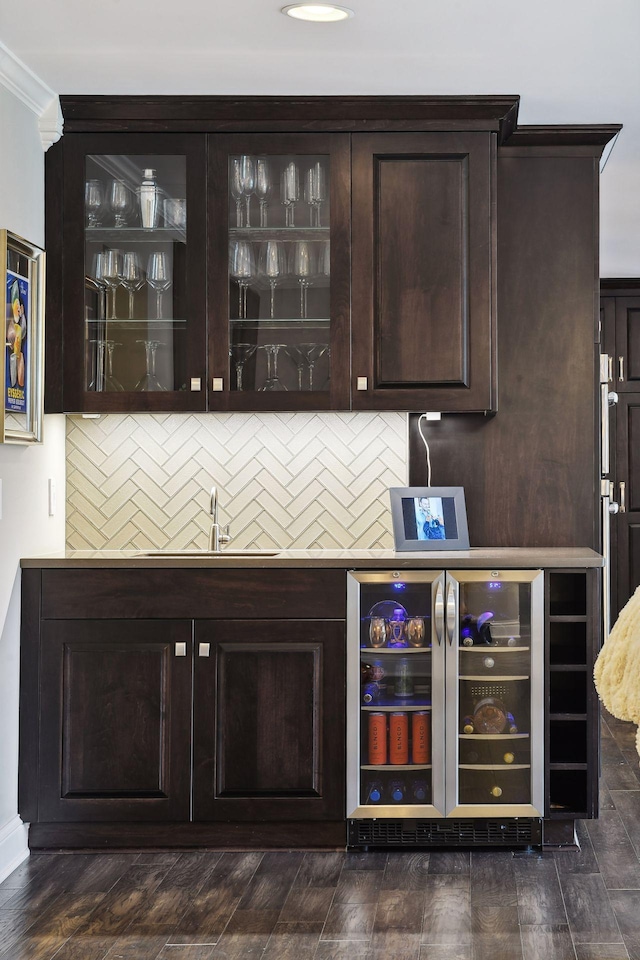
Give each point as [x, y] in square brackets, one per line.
[273, 253]
[423, 272]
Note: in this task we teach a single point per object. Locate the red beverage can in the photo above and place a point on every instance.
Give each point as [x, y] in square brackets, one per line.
[377, 738]
[399, 738]
[421, 739]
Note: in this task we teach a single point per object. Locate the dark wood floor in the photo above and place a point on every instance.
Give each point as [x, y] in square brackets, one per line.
[204, 905]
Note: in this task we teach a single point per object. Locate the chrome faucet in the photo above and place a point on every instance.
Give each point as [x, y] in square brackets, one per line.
[216, 536]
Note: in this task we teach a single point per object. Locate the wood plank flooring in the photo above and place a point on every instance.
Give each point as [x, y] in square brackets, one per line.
[458, 905]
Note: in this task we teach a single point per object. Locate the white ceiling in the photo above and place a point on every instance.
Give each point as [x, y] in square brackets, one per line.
[571, 61]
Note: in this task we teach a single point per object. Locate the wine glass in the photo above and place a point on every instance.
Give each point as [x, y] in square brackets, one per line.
[242, 269]
[273, 265]
[248, 178]
[93, 200]
[324, 259]
[302, 268]
[110, 265]
[312, 352]
[298, 357]
[240, 353]
[159, 279]
[263, 187]
[290, 191]
[235, 187]
[315, 191]
[149, 381]
[132, 279]
[119, 201]
[97, 381]
[272, 382]
[110, 382]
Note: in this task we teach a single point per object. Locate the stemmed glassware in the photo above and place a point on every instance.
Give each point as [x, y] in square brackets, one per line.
[315, 192]
[298, 357]
[149, 381]
[272, 382]
[110, 382]
[107, 269]
[312, 352]
[273, 265]
[248, 178]
[236, 188]
[263, 187]
[93, 200]
[159, 279]
[119, 201]
[242, 269]
[324, 259]
[302, 268]
[132, 278]
[240, 353]
[290, 191]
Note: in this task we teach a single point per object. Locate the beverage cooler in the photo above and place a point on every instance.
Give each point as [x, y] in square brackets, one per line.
[445, 719]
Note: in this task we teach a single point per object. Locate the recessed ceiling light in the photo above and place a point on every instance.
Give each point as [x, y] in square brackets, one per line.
[319, 12]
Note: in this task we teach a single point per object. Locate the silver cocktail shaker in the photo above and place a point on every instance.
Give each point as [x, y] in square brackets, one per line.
[149, 199]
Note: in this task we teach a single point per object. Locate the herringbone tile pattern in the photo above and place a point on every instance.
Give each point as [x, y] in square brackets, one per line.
[291, 480]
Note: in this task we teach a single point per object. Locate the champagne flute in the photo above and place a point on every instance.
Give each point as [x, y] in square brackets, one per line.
[159, 279]
[290, 191]
[272, 382]
[240, 353]
[302, 268]
[315, 191]
[263, 187]
[93, 200]
[132, 279]
[324, 259]
[112, 276]
[242, 269]
[235, 187]
[119, 201]
[110, 382]
[248, 177]
[149, 381]
[273, 265]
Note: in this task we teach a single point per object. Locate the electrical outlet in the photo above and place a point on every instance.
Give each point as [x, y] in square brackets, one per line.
[52, 497]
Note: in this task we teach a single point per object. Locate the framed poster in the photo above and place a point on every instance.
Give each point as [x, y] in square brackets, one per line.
[22, 378]
[429, 518]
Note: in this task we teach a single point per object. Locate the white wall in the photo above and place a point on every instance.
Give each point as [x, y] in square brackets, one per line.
[25, 526]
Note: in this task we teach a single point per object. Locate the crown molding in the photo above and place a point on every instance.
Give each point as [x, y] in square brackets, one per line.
[19, 80]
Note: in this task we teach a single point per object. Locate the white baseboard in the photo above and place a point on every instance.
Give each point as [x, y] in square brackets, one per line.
[14, 847]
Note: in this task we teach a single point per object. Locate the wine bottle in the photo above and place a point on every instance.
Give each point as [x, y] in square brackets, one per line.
[468, 725]
[512, 726]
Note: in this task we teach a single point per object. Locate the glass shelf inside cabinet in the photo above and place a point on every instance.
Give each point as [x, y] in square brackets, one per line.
[279, 273]
[135, 273]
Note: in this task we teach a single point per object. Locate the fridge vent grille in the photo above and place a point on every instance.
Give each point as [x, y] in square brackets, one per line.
[447, 833]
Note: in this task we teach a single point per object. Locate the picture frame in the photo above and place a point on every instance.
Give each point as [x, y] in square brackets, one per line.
[22, 377]
[429, 518]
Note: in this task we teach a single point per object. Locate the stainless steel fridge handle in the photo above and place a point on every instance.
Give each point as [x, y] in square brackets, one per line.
[451, 612]
[604, 428]
[438, 613]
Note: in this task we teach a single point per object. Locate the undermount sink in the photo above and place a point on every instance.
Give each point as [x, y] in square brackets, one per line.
[208, 554]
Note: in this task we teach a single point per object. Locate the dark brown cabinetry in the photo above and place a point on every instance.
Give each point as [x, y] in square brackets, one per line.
[423, 268]
[620, 321]
[410, 290]
[221, 703]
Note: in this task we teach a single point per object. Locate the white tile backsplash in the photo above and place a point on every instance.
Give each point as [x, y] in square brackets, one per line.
[290, 480]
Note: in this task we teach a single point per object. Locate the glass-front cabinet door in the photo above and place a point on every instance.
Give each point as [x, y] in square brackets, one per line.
[495, 713]
[445, 714]
[135, 311]
[279, 272]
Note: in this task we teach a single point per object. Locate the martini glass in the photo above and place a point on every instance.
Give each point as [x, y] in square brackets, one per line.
[298, 357]
[312, 353]
[149, 381]
[273, 382]
[110, 382]
[240, 353]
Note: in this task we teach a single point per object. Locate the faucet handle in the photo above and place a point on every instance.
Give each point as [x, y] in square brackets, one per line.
[225, 536]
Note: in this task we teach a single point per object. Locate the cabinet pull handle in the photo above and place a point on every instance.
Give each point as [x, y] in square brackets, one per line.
[623, 496]
[217, 384]
[181, 650]
[438, 613]
[204, 649]
[621, 369]
[610, 368]
[451, 612]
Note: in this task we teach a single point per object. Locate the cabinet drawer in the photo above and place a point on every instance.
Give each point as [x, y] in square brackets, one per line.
[193, 593]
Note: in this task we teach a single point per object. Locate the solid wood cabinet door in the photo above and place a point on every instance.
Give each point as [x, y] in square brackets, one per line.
[424, 271]
[269, 722]
[626, 362]
[115, 720]
[627, 523]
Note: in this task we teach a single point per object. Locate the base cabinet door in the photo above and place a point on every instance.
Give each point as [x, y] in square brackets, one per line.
[115, 720]
[269, 706]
